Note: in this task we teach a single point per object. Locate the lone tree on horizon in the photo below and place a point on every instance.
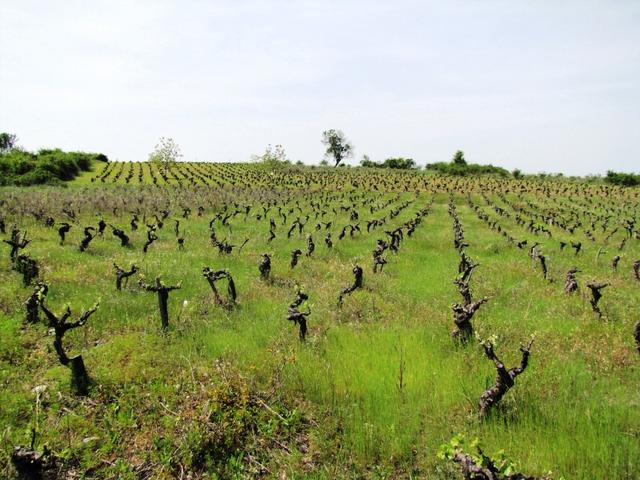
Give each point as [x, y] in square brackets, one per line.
[165, 153]
[337, 144]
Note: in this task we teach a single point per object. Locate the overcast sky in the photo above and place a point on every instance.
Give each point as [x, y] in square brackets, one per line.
[539, 85]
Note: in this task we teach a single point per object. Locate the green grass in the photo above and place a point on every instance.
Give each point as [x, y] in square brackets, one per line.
[573, 412]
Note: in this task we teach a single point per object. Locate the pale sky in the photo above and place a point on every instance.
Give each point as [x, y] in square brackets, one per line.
[537, 85]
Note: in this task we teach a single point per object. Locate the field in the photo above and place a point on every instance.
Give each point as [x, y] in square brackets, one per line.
[228, 389]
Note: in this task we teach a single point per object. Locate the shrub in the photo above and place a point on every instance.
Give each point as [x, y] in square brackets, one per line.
[469, 169]
[622, 179]
[394, 162]
[48, 166]
[273, 157]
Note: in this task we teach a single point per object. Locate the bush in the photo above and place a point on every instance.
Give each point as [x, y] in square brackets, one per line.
[272, 157]
[45, 167]
[622, 179]
[396, 163]
[469, 169]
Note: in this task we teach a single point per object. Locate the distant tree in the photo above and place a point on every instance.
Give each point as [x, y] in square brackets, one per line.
[337, 145]
[367, 162]
[399, 163]
[467, 169]
[517, 173]
[622, 179]
[393, 162]
[458, 158]
[165, 151]
[272, 156]
[7, 142]
[324, 163]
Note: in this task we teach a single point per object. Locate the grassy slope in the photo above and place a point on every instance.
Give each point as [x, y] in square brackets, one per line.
[572, 412]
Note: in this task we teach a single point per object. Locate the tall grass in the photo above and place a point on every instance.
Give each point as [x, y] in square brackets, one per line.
[381, 377]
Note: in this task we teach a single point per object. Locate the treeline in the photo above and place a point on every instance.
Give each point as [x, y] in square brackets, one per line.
[18, 167]
[458, 166]
[622, 179]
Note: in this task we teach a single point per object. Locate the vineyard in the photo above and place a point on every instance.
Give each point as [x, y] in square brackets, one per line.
[199, 320]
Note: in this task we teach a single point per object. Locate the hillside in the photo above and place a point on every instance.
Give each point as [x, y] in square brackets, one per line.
[229, 390]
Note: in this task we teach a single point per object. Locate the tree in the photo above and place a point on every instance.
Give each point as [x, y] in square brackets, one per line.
[392, 162]
[7, 142]
[337, 145]
[399, 163]
[166, 151]
[273, 156]
[622, 179]
[458, 158]
[367, 162]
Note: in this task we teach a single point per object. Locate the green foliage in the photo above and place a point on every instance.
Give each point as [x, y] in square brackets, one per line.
[399, 163]
[458, 158]
[502, 464]
[460, 168]
[622, 179]
[7, 142]
[18, 167]
[572, 411]
[272, 157]
[468, 169]
[238, 424]
[365, 162]
[166, 151]
[499, 466]
[337, 145]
